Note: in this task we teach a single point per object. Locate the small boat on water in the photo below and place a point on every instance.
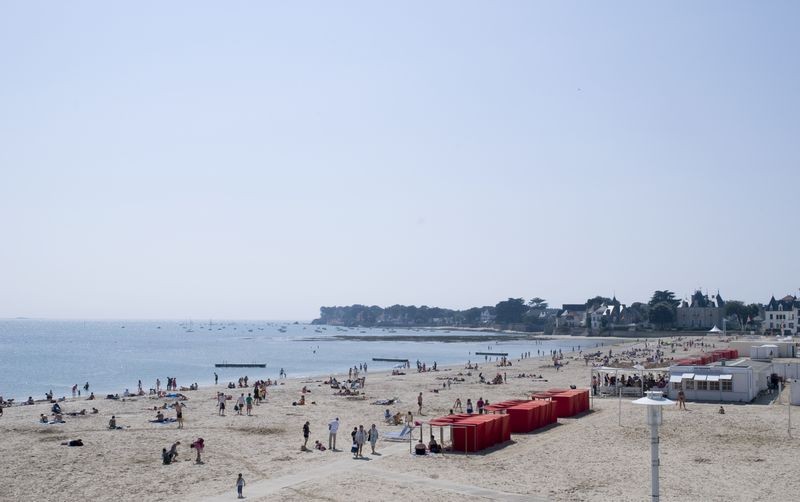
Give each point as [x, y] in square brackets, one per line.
[240, 365]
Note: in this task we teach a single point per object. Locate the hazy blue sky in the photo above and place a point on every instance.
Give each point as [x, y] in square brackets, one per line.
[260, 159]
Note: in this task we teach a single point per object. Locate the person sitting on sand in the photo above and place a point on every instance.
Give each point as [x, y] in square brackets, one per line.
[721, 410]
[319, 446]
[159, 417]
[56, 408]
[165, 458]
[420, 449]
[112, 424]
[387, 415]
[58, 417]
[173, 451]
[95, 411]
[433, 446]
[42, 418]
[397, 419]
[91, 397]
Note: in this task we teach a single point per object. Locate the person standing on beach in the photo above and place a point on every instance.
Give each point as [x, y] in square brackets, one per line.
[240, 486]
[372, 436]
[216, 381]
[419, 404]
[179, 414]
[457, 405]
[221, 401]
[361, 438]
[333, 428]
[681, 400]
[306, 433]
[240, 404]
[198, 445]
[249, 404]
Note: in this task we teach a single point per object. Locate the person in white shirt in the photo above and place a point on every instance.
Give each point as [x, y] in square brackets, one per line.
[333, 428]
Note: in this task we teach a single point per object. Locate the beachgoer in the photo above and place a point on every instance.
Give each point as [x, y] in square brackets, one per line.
[198, 446]
[221, 401]
[372, 437]
[165, 457]
[420, 449]
[457, 405]
[173, 451]
[433, 446]
[216, 381]
[179, 414]
[387, 415]
[112, 424]
[361, 437]
[409, 418]
[240, 485]
[319, 446]
[73, 442]
[239, 404]
[721, 410]
[469, 406]
[681, 400]
[333, 427]
[249, 403]
[306, 433]
[480, 405]
[419, 403]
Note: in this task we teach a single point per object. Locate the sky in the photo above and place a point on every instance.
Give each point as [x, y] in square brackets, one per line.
[258, 160]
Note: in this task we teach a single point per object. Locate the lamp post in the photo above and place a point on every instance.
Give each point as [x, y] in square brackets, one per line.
[654, 400]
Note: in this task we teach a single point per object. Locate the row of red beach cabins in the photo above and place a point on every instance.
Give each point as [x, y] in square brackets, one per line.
[709, 357]
[470, 433]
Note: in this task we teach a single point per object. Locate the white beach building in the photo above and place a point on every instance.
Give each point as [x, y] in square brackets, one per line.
[725, 381]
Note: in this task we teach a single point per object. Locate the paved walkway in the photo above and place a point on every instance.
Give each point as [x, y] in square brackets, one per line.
[260, 490]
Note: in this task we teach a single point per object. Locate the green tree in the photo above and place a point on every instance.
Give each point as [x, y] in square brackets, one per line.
[597, 301]
[537, 303]
[662, 314]
[510, 311]
[665, 296]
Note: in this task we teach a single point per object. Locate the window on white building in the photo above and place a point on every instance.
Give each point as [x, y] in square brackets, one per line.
[727, 385]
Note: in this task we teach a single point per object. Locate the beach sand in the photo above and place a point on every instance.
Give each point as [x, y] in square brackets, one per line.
[745, 454]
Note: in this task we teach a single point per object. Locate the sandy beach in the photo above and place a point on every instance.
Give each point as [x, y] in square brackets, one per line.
[744, 454]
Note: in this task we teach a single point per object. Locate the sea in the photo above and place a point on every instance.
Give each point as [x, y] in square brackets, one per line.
[37, 355]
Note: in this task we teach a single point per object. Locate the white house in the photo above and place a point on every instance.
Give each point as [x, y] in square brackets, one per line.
[781, 316]
[571, 316]
[733, 381]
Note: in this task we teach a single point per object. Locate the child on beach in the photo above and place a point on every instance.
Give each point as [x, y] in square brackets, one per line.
[240, 485]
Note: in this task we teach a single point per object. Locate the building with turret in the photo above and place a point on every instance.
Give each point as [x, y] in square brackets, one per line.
[701, 312]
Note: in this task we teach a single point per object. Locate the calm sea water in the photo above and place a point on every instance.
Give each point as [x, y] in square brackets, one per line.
[39, 355]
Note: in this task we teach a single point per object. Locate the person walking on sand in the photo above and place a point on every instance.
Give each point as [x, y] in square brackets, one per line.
[221, 401]
[681, 400]
[249, 403]
[240, 486]
[179, 414]
[333, 428]
[360, 438]
[419, 404]
[306, 433]
[198, 445]
[239, 404]
[372, 436]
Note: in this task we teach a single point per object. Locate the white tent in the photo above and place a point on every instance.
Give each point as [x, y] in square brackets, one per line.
[715, 330]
